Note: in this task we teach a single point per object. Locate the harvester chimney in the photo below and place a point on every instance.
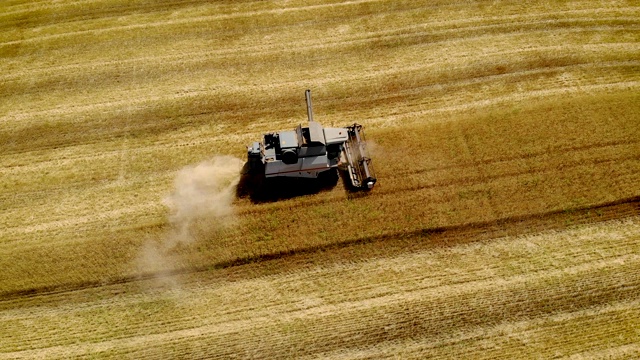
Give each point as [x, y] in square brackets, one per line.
[307, 94]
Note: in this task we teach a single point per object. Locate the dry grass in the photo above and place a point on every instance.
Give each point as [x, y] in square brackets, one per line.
[536, 295]
[479, 113]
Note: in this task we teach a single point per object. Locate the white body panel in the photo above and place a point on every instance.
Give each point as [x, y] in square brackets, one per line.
[308, 167]
[336, 135]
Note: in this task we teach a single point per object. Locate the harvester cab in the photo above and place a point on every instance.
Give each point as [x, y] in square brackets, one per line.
[314, 151]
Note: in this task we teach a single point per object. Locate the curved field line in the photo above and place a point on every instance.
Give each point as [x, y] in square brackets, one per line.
[410, 117]
[529, 155]
[347, 309]
[210, 18]
[422, 347]
[435, 236]
[407, 32]
[161, 97]
[470, 180]
[235, 314]
[629, 351]
[191, 20]
[202, 56]
[253, 51]
[70, 222]
[132, 103]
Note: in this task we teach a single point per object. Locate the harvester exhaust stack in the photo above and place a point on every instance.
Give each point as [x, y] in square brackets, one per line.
[315, 152]
[307, 95]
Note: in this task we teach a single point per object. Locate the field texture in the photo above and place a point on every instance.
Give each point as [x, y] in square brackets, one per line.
[505, 224]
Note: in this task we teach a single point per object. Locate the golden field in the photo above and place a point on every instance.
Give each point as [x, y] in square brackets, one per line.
[505, 136]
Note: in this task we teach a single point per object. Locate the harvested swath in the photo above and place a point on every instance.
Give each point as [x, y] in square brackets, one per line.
[435, 300]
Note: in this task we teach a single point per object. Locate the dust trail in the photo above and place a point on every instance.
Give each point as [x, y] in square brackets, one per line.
[203, 192]
[200, 205]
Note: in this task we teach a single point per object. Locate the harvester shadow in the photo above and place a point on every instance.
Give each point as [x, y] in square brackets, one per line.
[259, 189]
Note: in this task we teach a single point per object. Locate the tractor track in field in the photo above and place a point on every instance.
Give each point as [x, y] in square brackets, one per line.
[471, 23]
[152, 99]
[431, 36]
[549, 152]
[395, 243]
[413, 305]
[189, 20]
[471, 180]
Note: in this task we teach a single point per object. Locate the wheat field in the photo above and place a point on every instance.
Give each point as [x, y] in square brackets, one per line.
[505, 223]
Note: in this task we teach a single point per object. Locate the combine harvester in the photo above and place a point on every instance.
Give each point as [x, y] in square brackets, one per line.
[314, 152]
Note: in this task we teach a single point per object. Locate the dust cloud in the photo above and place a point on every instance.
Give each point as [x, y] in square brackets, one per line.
[200, 205]
[203, 192]
[373, 149]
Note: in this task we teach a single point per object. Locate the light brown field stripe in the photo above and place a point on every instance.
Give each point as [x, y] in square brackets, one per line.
[334, 321]
[551, 17]
[503, 26]
[428, 237]
[18, 118]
